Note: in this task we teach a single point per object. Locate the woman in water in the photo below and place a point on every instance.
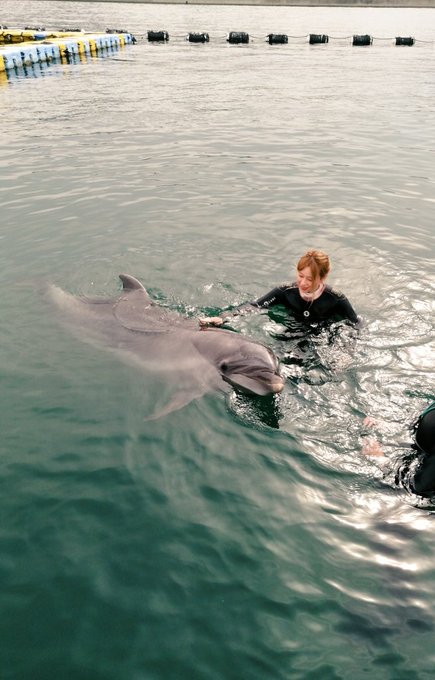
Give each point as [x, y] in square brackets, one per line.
[417, 472]
[308, 299]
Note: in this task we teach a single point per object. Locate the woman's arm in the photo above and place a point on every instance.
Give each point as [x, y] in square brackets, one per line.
[346, 310]
[371, 446]
[226, 316]
[273, 297]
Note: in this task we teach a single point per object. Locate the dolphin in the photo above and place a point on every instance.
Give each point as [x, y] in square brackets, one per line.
[195, 359]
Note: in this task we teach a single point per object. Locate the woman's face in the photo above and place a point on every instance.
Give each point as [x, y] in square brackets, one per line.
[307, 283]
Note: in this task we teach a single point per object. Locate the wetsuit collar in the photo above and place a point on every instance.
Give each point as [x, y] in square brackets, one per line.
[309, 297]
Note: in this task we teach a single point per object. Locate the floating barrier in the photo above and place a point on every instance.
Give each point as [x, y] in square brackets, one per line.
[240, 37]
[277, 39]
[405, 41]
[236, 38]
[158, 36]
[198, 37]
[34, 44]
[12, 35]
[362, 40]
[62, 47]
[315, 39]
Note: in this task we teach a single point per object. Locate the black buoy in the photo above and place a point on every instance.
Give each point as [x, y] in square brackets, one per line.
[362, 40]
[277, 39]
[198, 37]
[316, 38]
[405, 41]
[156, 36]
[236, 37]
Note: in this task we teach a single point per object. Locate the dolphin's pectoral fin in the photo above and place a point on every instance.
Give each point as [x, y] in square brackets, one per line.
[177, 403]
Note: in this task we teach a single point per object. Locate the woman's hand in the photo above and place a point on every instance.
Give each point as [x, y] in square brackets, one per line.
[211, 321]
[371, 447]
[370, 422]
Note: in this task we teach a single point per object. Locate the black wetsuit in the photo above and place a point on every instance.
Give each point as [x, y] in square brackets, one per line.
[330, 306]
[423, 480]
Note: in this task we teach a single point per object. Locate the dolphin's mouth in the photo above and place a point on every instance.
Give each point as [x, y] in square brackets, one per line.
[258, 386]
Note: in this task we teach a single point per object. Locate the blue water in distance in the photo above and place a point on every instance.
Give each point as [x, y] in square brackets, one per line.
[231, 538]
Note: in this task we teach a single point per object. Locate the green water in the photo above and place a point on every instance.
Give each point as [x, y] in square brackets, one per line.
[234, 538]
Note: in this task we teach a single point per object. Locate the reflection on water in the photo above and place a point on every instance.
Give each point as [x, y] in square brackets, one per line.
[53, 68]
[247, 538]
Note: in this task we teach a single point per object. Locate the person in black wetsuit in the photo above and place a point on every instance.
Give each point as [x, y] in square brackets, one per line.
[308, 299]
[419, 478]
[423, 481]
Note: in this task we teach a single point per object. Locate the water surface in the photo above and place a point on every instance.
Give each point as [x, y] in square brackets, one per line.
[233, 538]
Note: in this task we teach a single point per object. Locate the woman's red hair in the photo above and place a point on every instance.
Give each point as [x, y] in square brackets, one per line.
[317, 261]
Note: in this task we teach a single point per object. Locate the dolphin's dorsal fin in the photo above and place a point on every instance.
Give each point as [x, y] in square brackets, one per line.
[131, 308]
[130, 283]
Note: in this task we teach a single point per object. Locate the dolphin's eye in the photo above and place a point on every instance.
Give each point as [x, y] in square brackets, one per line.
[224, 366]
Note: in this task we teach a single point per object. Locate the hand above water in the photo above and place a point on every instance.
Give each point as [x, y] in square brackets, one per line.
[211, 321]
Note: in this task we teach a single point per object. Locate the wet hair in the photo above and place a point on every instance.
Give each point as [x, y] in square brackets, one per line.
[317, 261]
[425, 430]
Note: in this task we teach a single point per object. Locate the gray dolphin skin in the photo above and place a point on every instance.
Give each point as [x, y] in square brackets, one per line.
[192, 359]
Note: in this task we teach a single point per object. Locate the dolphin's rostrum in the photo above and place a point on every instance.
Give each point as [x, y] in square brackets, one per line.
[195, 360]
